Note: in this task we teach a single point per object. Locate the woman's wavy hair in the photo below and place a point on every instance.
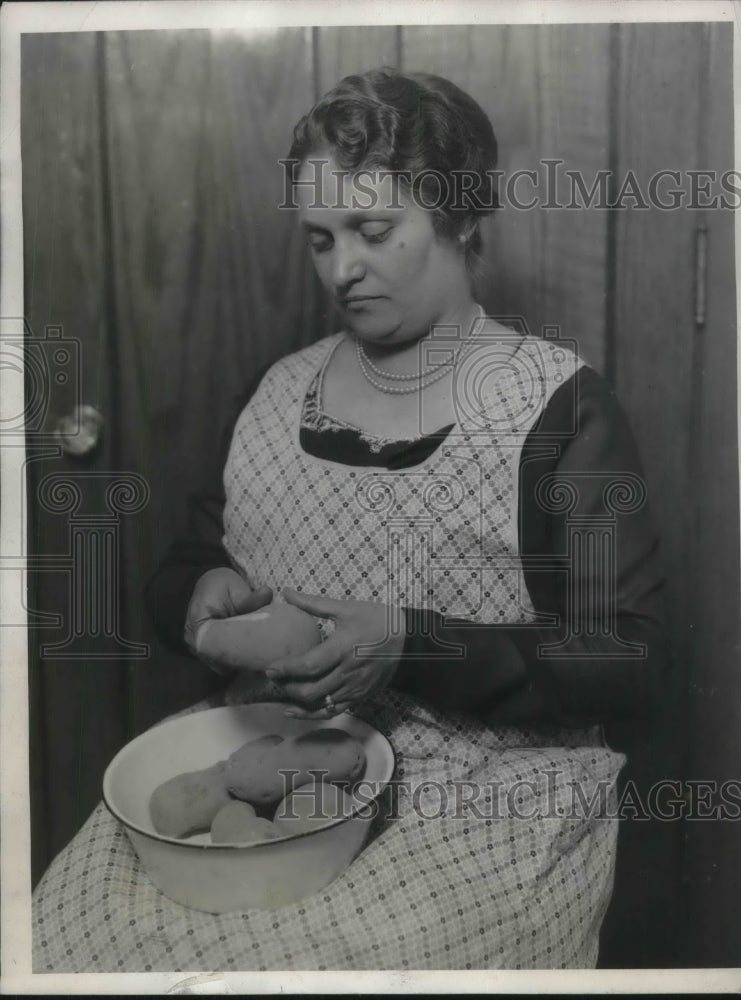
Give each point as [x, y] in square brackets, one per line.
[417, 123]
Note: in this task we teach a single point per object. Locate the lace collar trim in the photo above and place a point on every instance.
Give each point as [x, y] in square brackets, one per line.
[314, 417]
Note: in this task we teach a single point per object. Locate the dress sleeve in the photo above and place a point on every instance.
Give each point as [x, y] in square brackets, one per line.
[197, 549]
[612, 653]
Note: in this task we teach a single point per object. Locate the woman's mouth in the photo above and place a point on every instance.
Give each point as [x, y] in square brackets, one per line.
[358, 301]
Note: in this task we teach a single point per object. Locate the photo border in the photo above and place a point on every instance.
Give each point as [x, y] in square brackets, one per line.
[15, 868]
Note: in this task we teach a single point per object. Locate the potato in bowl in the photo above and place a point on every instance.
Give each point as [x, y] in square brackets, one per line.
[258, 775]
[227, 877]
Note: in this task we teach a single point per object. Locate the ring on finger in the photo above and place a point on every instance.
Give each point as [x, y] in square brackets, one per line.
[330, 705]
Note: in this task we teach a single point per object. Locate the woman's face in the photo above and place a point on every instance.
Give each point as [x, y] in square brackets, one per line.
[378, 255]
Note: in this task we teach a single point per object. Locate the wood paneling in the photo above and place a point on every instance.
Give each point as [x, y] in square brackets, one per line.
[207, 267]
[547, 265]
[153, 236]
[573, 126]
[660, 74]
[161, 313]
[654, 305]
[712, 861]
[659, 86]
[76, 718]
[341, 51]
[263, 87]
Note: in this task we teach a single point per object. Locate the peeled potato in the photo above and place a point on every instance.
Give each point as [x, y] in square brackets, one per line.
[255, 640]
[311, 807]
[331, 750]
[263, 771]
[260, 773]
[237, 823]
[188, 802]
[252, 773]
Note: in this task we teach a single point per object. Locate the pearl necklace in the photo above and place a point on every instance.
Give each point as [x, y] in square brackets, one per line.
[393, 376]
[421, 379]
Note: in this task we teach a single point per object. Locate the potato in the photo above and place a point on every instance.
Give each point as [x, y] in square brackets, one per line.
[188, 802]
[252, 773]
[311, 807]
[262, 772]
[332, 750]
[237, 823]
[255, 640]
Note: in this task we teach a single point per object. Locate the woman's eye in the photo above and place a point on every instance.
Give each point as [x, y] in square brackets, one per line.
[376, 232]
[319, 243]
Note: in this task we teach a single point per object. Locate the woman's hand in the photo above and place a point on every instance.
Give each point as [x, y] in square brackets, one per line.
[221, 593]
[331, 677]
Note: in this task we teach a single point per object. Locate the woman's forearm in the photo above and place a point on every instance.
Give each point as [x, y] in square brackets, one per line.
[509, 675]
[168, 591]
[516, 673]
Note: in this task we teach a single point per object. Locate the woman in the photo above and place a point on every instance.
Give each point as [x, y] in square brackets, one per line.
[462, 509]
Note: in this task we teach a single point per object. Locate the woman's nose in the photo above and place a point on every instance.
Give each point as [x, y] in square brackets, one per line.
[347, 265]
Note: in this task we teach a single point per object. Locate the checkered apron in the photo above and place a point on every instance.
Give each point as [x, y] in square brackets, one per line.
[494, 854]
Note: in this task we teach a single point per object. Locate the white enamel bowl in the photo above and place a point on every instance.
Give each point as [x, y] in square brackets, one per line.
[224, 878]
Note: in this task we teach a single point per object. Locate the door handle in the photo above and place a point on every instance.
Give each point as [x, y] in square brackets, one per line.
[79, 432]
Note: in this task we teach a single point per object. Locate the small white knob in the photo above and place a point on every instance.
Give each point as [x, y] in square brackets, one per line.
[80, 432]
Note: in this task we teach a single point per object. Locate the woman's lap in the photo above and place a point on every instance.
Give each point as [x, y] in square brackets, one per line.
[524, 885]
